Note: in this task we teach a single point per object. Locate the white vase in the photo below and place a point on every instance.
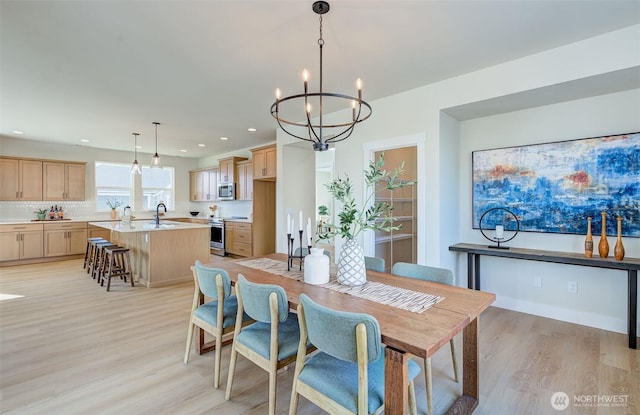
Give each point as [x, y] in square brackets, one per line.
[351, 269]
[316, 267]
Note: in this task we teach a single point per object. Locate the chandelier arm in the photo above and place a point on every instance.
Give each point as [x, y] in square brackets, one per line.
[275, 112]
[290, 133]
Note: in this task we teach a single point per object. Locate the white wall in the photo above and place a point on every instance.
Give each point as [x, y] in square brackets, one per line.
[448, 142]
[601, 297]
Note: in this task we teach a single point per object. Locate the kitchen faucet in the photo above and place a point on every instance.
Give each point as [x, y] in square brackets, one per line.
[158, 212]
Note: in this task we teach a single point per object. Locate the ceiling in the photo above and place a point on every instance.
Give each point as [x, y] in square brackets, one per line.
[101, 70]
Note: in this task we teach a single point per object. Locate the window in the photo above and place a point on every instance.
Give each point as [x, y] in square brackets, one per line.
[157, 186]
[114, 181]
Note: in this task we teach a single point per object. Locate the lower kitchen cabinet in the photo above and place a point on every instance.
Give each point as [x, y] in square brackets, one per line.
[20, 242]
[238, 238]
[65, 238]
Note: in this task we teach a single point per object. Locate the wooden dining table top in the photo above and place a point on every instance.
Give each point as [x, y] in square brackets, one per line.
[420, 334]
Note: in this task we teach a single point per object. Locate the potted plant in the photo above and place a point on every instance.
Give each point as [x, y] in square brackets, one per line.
[113, 204]
[353, 220]
[42, 213]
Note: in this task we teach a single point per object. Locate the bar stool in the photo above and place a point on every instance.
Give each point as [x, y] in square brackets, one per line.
[88, 253]
[117, 264]
[99, 264]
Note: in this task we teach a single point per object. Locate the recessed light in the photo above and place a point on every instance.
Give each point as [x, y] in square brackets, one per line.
[224, 138]
[252, 130]
[84, 140]
[138, 147]
[202, 145]
[18, 132]
[183, 151]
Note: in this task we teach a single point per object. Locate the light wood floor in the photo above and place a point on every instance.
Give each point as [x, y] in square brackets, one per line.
[69, 347]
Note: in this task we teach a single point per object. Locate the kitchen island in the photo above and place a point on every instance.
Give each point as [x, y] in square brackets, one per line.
[161, 254]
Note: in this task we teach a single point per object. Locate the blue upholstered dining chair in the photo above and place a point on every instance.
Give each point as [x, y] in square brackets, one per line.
[442, 276]
[217, 317]
[374, 263]
[346, 375]
[272, 341]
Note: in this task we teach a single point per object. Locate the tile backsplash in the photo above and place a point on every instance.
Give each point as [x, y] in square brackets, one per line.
[86, 210]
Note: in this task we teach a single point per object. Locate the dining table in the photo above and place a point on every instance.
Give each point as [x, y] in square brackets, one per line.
[409, 326]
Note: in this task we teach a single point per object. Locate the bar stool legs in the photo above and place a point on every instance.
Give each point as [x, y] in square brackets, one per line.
[118, 264]
[90, 252]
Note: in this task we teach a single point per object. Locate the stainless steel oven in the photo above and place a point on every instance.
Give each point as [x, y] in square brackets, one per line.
[217, 236]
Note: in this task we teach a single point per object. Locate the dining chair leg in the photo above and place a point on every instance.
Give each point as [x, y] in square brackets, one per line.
[453, 359]
[189, 340]
[232, 369]
[272, 391]
[218, 358]
[413, 410]
[428, 379]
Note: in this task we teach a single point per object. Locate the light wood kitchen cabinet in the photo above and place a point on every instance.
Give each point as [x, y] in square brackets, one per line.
[203, 185]
[264, 163]
[20, 179]
[65, 238]
[63, 181]
[23, 241]
[245, 180]
[238, 238]
[227, 169]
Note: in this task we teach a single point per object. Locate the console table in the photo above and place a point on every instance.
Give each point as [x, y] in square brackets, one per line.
[631, 265]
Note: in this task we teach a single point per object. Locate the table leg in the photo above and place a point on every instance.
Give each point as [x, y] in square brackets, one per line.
[476, 271]
[396, 373]
[470, 270]
[468, 402]
[632, 318]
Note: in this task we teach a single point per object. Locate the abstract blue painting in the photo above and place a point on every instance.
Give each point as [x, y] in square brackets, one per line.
[554, 187]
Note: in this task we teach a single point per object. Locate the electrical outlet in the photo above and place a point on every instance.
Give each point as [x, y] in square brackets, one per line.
[572, 287]
[537, 282]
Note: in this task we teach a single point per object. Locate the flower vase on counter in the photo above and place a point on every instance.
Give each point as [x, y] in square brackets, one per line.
[603, 246]
[588, 242]
[316, 267]
[113, 214]
[618, 250]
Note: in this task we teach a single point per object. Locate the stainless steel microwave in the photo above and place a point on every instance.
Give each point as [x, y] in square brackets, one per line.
[226, 191]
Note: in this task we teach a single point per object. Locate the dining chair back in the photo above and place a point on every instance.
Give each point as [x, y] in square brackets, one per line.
[374, 263]
[272, 341]
[216, 317]
[442, 276]
[346, 375]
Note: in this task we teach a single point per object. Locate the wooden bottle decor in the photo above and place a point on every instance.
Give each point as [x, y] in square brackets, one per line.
[618, 250]
[588, 242]
[603, 246]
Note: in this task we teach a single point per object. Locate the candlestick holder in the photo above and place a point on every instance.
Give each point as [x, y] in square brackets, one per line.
[291, 251]
[508, 217]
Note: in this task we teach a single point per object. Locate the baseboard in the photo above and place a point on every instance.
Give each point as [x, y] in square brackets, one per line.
[563, 314]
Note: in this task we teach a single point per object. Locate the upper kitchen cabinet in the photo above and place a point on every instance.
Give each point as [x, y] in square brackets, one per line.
[227, 169]
[245, 180]
[203, 185]
[63, 181]
[264, 163]
[20, 179]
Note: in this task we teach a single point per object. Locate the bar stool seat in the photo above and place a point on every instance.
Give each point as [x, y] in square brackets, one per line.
[88, 253]
[117, 264]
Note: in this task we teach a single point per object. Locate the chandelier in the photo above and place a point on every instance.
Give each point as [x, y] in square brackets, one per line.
[319, 134]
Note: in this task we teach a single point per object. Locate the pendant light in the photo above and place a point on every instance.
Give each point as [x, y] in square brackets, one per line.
[155, 161]
[135, 167]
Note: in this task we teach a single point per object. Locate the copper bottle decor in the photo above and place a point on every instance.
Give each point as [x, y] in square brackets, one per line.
[588, 241]
[618, 250]
[603, 246]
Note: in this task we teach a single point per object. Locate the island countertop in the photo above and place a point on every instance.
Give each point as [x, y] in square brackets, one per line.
[148, 226]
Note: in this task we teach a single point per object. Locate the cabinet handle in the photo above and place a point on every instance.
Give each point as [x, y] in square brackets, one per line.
[17, 195]
[17, 237]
